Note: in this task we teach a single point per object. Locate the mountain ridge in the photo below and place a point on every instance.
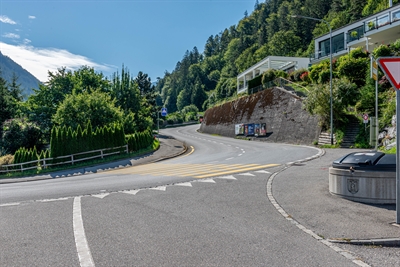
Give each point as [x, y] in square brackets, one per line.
[27, 81]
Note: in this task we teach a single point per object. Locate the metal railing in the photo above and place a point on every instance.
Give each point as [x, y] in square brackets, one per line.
[280, 82]
[69, 159]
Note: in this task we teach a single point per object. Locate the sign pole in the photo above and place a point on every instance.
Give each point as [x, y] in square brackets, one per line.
[374, 75]
[398, 156]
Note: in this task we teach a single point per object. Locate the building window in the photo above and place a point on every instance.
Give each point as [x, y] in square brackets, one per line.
[396, 15]
[384, 20]
[370, 25]
[337, 45]
[324, 48]
[355, 34]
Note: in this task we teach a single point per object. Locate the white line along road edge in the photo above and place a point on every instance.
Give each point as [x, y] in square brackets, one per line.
[82, 247]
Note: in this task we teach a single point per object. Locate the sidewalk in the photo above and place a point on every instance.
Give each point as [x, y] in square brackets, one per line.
[169, 148]
[302, 191]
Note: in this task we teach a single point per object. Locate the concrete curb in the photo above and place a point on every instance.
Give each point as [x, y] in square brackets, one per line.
[383, 242]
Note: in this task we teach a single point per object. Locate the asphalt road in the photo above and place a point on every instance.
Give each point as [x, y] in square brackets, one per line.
[209, 207]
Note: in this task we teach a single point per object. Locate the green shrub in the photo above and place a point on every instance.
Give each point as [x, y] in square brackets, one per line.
[382, 51]
[268, 76]
[20, 133]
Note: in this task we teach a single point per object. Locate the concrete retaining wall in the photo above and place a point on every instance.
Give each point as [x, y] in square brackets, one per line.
[282, 111]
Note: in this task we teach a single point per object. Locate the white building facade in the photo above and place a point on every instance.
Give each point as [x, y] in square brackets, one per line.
[369, 33]
[287, 64]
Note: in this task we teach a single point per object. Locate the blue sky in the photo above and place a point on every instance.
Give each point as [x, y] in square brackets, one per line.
[149, 36]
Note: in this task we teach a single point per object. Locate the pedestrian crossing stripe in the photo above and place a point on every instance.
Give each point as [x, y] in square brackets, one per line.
[193, 170]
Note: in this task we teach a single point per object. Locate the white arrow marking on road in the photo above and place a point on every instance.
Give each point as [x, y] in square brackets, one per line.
[102, 195]
[132, 192]
[184, 184]
[228, 177]
[246, 174]
[82, 247]
[263, 171]
[206, 181]
[161, 188]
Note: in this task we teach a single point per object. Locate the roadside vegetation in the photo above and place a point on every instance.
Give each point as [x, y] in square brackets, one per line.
[70, 100]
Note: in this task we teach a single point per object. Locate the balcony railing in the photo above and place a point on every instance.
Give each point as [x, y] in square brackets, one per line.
[382, 20]
[357, 33]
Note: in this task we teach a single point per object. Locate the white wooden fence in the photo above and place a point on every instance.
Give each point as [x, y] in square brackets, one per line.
[46, 162]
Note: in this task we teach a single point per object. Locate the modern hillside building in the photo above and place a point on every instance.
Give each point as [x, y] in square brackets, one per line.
[369, 32]
[287, 64]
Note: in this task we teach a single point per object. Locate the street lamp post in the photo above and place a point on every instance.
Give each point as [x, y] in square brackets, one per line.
[330, 63]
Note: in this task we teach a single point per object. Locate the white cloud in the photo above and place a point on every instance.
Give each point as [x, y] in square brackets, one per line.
[38, 61]
[31, 17]
[11, 35]
[6, 19]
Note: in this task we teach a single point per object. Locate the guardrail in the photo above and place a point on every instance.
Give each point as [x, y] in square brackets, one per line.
[47, 162]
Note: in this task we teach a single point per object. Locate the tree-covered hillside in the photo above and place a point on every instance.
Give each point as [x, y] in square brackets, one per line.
[12, 72]
[202, 79]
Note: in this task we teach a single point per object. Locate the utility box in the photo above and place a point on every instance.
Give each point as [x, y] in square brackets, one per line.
[373, 138]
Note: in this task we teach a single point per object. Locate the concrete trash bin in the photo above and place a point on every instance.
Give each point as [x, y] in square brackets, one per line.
[367, 177]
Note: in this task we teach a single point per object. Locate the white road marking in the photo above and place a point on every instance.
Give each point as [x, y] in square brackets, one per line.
[161, 188]
[53, 199]
[206, 181]
[246, 174]
[184, 184]
[102, 195]
[229, 158]
[10, 204]
[131, 192]
[228, 177]
[82, 247]
[273, 201]
[262, 171]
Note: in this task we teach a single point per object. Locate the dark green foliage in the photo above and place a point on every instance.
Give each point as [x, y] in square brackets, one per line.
[382, 51]
[255, 82]
[68, 141]
[20, 133]
[268, 76]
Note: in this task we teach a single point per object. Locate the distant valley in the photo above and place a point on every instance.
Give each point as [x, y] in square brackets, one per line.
[27, 81]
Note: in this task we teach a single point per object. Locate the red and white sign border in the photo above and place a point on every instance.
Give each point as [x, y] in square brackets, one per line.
[391, 67]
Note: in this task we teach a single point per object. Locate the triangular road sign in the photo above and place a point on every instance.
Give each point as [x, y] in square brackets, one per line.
[391, 68]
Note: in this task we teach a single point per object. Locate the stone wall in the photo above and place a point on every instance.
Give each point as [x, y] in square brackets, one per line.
[282, 111]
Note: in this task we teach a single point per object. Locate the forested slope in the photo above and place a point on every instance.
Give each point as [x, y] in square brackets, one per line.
[204, 78]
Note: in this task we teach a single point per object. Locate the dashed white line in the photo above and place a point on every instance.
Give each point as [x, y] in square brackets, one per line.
[82, 247]
[342, 252]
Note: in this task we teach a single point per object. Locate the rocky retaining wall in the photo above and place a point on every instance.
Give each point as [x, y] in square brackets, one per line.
[282, 111]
